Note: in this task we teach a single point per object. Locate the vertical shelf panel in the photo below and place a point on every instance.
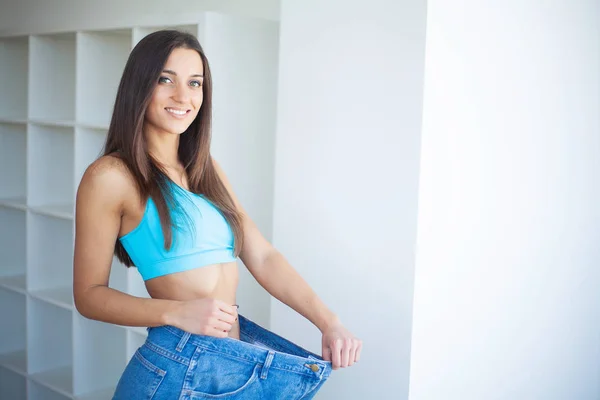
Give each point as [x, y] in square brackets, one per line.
[12, 331]
[12, 385]
[50, 162]
[52, 78]
[99, 355]
[13, 241]
[49, 344]
[13, 164]
[101, 58]
[50, 259]
[13, 78]
[89, 143]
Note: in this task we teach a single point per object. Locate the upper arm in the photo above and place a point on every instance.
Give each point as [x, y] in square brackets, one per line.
[97, 223]
[256, 248]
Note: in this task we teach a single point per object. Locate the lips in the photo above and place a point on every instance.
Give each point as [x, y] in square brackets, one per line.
[177, 112]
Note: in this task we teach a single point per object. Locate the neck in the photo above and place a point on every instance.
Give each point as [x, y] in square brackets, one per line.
[164, 148]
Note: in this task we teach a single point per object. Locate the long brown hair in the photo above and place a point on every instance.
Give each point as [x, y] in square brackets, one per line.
[126, 140]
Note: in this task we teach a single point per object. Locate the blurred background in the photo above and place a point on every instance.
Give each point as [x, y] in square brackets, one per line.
[431, 168]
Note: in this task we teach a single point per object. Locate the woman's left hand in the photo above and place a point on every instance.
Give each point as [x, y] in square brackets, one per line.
[340, 346]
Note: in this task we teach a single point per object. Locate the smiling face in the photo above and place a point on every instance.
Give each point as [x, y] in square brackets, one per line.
[177, 98]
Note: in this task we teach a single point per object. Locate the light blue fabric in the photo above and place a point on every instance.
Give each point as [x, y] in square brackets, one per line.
[174, 364]
[202, 237]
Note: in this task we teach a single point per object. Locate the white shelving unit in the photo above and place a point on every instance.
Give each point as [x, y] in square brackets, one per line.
[57, 92]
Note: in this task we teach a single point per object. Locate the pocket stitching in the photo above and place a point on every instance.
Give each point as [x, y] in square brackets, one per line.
[148, 364]
[253, 378]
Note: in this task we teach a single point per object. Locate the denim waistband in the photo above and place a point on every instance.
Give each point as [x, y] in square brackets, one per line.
[256, 344]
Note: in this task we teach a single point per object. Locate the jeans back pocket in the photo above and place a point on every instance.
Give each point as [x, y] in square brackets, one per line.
[140, 380]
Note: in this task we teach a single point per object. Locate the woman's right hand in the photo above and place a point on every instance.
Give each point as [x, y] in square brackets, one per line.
[205, 316]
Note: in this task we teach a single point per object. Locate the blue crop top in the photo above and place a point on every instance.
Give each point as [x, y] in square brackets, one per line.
[201, 238]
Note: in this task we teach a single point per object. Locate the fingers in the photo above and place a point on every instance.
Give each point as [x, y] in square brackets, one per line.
[222, 326]
[347, 345]
[343, 353]
[326, 352]
[225, 317]
[227, 308]
[358, 350]
[352, 355]
[336, 354]
[219, 333]
[220, 319]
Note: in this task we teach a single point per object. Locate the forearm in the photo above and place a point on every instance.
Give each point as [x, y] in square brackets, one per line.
[105, 304]
[284, 283]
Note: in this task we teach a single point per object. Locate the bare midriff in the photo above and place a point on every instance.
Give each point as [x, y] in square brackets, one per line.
[217, 281]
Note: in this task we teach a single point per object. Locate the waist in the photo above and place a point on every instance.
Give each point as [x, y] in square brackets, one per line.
[218, 281]
[256, 345]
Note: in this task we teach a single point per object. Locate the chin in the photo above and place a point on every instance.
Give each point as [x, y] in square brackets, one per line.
[175, 129]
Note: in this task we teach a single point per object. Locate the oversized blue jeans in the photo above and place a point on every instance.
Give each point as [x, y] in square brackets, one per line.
[174, 364]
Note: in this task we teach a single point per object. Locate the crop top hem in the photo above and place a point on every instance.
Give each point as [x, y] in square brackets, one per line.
[185, 263]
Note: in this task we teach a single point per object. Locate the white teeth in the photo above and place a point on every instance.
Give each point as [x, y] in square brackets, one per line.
[177, 112]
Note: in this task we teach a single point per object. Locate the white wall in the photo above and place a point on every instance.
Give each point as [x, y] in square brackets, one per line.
[347, 161]
[35, 16]
[244, 110]
[507, 284]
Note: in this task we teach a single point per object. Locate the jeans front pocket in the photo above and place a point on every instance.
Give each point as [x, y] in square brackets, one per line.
[219, 375]
[140, 380]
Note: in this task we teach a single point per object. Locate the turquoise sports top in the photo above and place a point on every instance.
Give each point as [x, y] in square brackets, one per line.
[200, 238]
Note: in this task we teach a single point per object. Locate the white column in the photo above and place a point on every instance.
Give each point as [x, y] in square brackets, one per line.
[346, 176]
[507, 286]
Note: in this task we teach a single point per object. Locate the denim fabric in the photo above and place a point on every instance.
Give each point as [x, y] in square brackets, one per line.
[174, 364]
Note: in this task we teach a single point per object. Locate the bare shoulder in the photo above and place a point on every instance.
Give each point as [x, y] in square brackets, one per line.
[107, 179]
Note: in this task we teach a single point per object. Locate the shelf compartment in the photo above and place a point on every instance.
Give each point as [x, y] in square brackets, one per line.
[50, 165]
[135, 283]
[14, 58]
[100, 355]
[49, 345]
[16, 203]
[118, 275]
[50, 256]
[13, 386]
[13, 238]
[135, 339]
[12, 331]
[16, 283]
[16, 361]
[89, 143]
[50, 385]
[140, 32]
[13, 160]
[52, 77]
[60, 297]
[101, 58]
[103, 394]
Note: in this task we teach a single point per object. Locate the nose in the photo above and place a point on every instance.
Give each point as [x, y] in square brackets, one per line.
[182, 93]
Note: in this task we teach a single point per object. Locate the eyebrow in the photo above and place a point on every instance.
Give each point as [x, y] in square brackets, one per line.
[168, 71]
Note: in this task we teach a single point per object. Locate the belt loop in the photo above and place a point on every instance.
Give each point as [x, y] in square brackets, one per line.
[183, 341]
[265, 368]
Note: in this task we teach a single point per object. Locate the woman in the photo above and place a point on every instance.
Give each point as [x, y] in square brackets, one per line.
[158, 200]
